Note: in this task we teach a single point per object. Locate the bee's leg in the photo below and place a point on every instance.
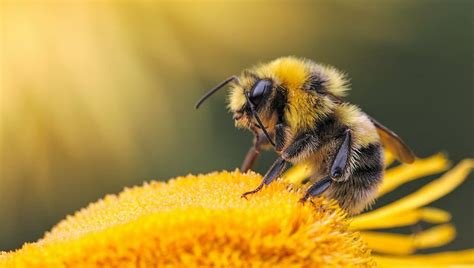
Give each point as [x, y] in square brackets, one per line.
[339, 164]
[300, 147]
[338, 168]
[250, 158]
[259, 141]
[317, 188]
[275, 170]
[280, 136]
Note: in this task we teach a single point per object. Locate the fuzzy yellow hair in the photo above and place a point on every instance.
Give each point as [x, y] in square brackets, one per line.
[363, 131]
[293, 73]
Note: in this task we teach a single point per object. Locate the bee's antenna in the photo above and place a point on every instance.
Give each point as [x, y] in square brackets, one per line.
[252, 109]
[214, 90]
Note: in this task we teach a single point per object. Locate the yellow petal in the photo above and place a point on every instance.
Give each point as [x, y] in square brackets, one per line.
[435, 237]
[399, 175]
[435, 215]
[406, 218]
[297, 173]
[427, 194]
[464, 258]
[389, 158]
[406, 244]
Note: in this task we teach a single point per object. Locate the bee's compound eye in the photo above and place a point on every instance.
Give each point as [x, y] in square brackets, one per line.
[260, 89]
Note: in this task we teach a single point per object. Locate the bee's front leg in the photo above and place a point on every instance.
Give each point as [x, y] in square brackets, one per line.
[281, 133]
[338, 168]
[300, 145]
[259, 141]
[275, 170]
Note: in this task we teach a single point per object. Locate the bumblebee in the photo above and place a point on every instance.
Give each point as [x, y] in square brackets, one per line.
[296, 106]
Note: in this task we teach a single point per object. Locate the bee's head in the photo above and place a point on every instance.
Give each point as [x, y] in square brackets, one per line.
[296, 91]
[251, 100]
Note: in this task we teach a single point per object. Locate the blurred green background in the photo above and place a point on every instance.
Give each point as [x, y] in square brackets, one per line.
[99, 96]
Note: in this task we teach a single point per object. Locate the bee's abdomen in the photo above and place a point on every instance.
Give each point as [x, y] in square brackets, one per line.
[359, 190]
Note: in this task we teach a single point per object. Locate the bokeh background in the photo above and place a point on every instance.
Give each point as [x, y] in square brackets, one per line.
[98, 96]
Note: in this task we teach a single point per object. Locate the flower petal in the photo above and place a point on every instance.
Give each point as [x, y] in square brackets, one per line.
[297, 173]
[389, 158]
[399, 175]
[406, 244]
[427, 194]
[445, 259]
[431, 215]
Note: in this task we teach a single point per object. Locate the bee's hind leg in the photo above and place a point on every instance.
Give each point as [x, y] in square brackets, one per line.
[338, 168]
[275, 170]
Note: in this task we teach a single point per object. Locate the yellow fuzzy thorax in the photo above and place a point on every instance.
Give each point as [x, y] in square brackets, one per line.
[303, 108]
[292, 74]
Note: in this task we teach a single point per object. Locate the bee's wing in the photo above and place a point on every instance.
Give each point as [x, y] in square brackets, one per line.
[393, 143]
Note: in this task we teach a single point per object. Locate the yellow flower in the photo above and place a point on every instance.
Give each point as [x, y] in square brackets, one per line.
[202, 221]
